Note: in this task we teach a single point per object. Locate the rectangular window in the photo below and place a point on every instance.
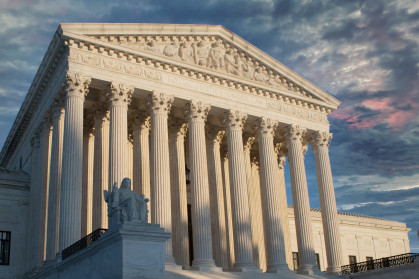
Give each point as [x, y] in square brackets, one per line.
[352, 259]
[295, 260]
[370, 263]
[4, 248]
[317, 260]
[370, 259]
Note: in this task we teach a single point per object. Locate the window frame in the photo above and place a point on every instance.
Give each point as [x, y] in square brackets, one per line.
[5, 241]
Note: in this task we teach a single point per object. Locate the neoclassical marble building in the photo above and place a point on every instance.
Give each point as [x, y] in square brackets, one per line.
[201, 121]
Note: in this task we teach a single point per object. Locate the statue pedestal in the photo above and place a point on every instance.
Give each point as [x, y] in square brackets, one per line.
[126, 251]
[133, 250]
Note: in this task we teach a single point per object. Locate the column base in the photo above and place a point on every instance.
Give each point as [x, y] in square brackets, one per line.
[278, 268]
[306, 269]
[333, 270]
[246, 268]
[204, 265]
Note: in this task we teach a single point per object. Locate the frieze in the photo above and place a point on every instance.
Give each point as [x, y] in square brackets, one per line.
[134, 69]
[297, 111]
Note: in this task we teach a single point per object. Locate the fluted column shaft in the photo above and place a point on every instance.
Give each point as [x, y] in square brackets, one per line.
[273, 227]
[227, 205]
[201, 217]
[218, 212]
[71, 182]
[300, 199]
[55, 180]
[41, 195]
[160, 105]
[284, 207]
[100, 167]
[327, 202]
[87, 195]
[32, 239]
[178, 129]
[239, 200]
[119, 97]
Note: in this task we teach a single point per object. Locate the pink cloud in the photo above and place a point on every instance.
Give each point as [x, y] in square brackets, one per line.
[398, 119]
[375, 104]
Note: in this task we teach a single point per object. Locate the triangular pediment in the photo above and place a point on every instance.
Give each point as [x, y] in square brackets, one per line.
[211, 49]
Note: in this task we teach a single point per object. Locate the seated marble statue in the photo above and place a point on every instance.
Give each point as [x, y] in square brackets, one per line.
[125, 204]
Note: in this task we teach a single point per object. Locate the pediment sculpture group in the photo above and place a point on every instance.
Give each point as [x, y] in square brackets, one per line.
[219, 56]
[125, 204]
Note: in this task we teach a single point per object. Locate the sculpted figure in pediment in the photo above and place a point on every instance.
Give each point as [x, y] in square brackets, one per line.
[216, 56]
[259, 75]
[171, 50]
[151, 46]
[201, 54]
[232, 62]
[247, 68]
[186, 53]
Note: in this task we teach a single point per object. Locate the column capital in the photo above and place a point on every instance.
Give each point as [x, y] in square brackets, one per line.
[178, 126]
[224, 151]
[101, 113]
[214, 134]
[77, 84]
[57, 108]
[320, 139]
[281, 151]
[249, 140]
[141, 121]
[294, 133]
[254, 157]
[35, 143]
[266, 126]
[159, 103]
[197, 111]
[234, 120]
[119, 94]
[89, 124]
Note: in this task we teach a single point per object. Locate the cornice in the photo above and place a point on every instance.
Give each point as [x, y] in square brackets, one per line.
[49, 63]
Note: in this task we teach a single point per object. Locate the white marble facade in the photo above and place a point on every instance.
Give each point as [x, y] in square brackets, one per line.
[194, 115]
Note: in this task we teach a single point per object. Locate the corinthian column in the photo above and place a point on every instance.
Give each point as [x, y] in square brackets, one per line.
[141, 154]
[160, 104]
[178, 129]
[218, 212]
[255, 206]
[100, 167]
[273, 227]
[119, 97]
[71, 182]
[294, 137]
[280, 150]
[320, 147]
[87, 195]
[55, 179]
[201, 225]
[234, 121]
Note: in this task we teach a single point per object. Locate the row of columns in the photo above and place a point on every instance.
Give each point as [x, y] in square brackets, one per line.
[228, 185]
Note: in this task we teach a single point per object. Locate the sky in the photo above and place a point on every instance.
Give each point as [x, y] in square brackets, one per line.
[364, 53]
